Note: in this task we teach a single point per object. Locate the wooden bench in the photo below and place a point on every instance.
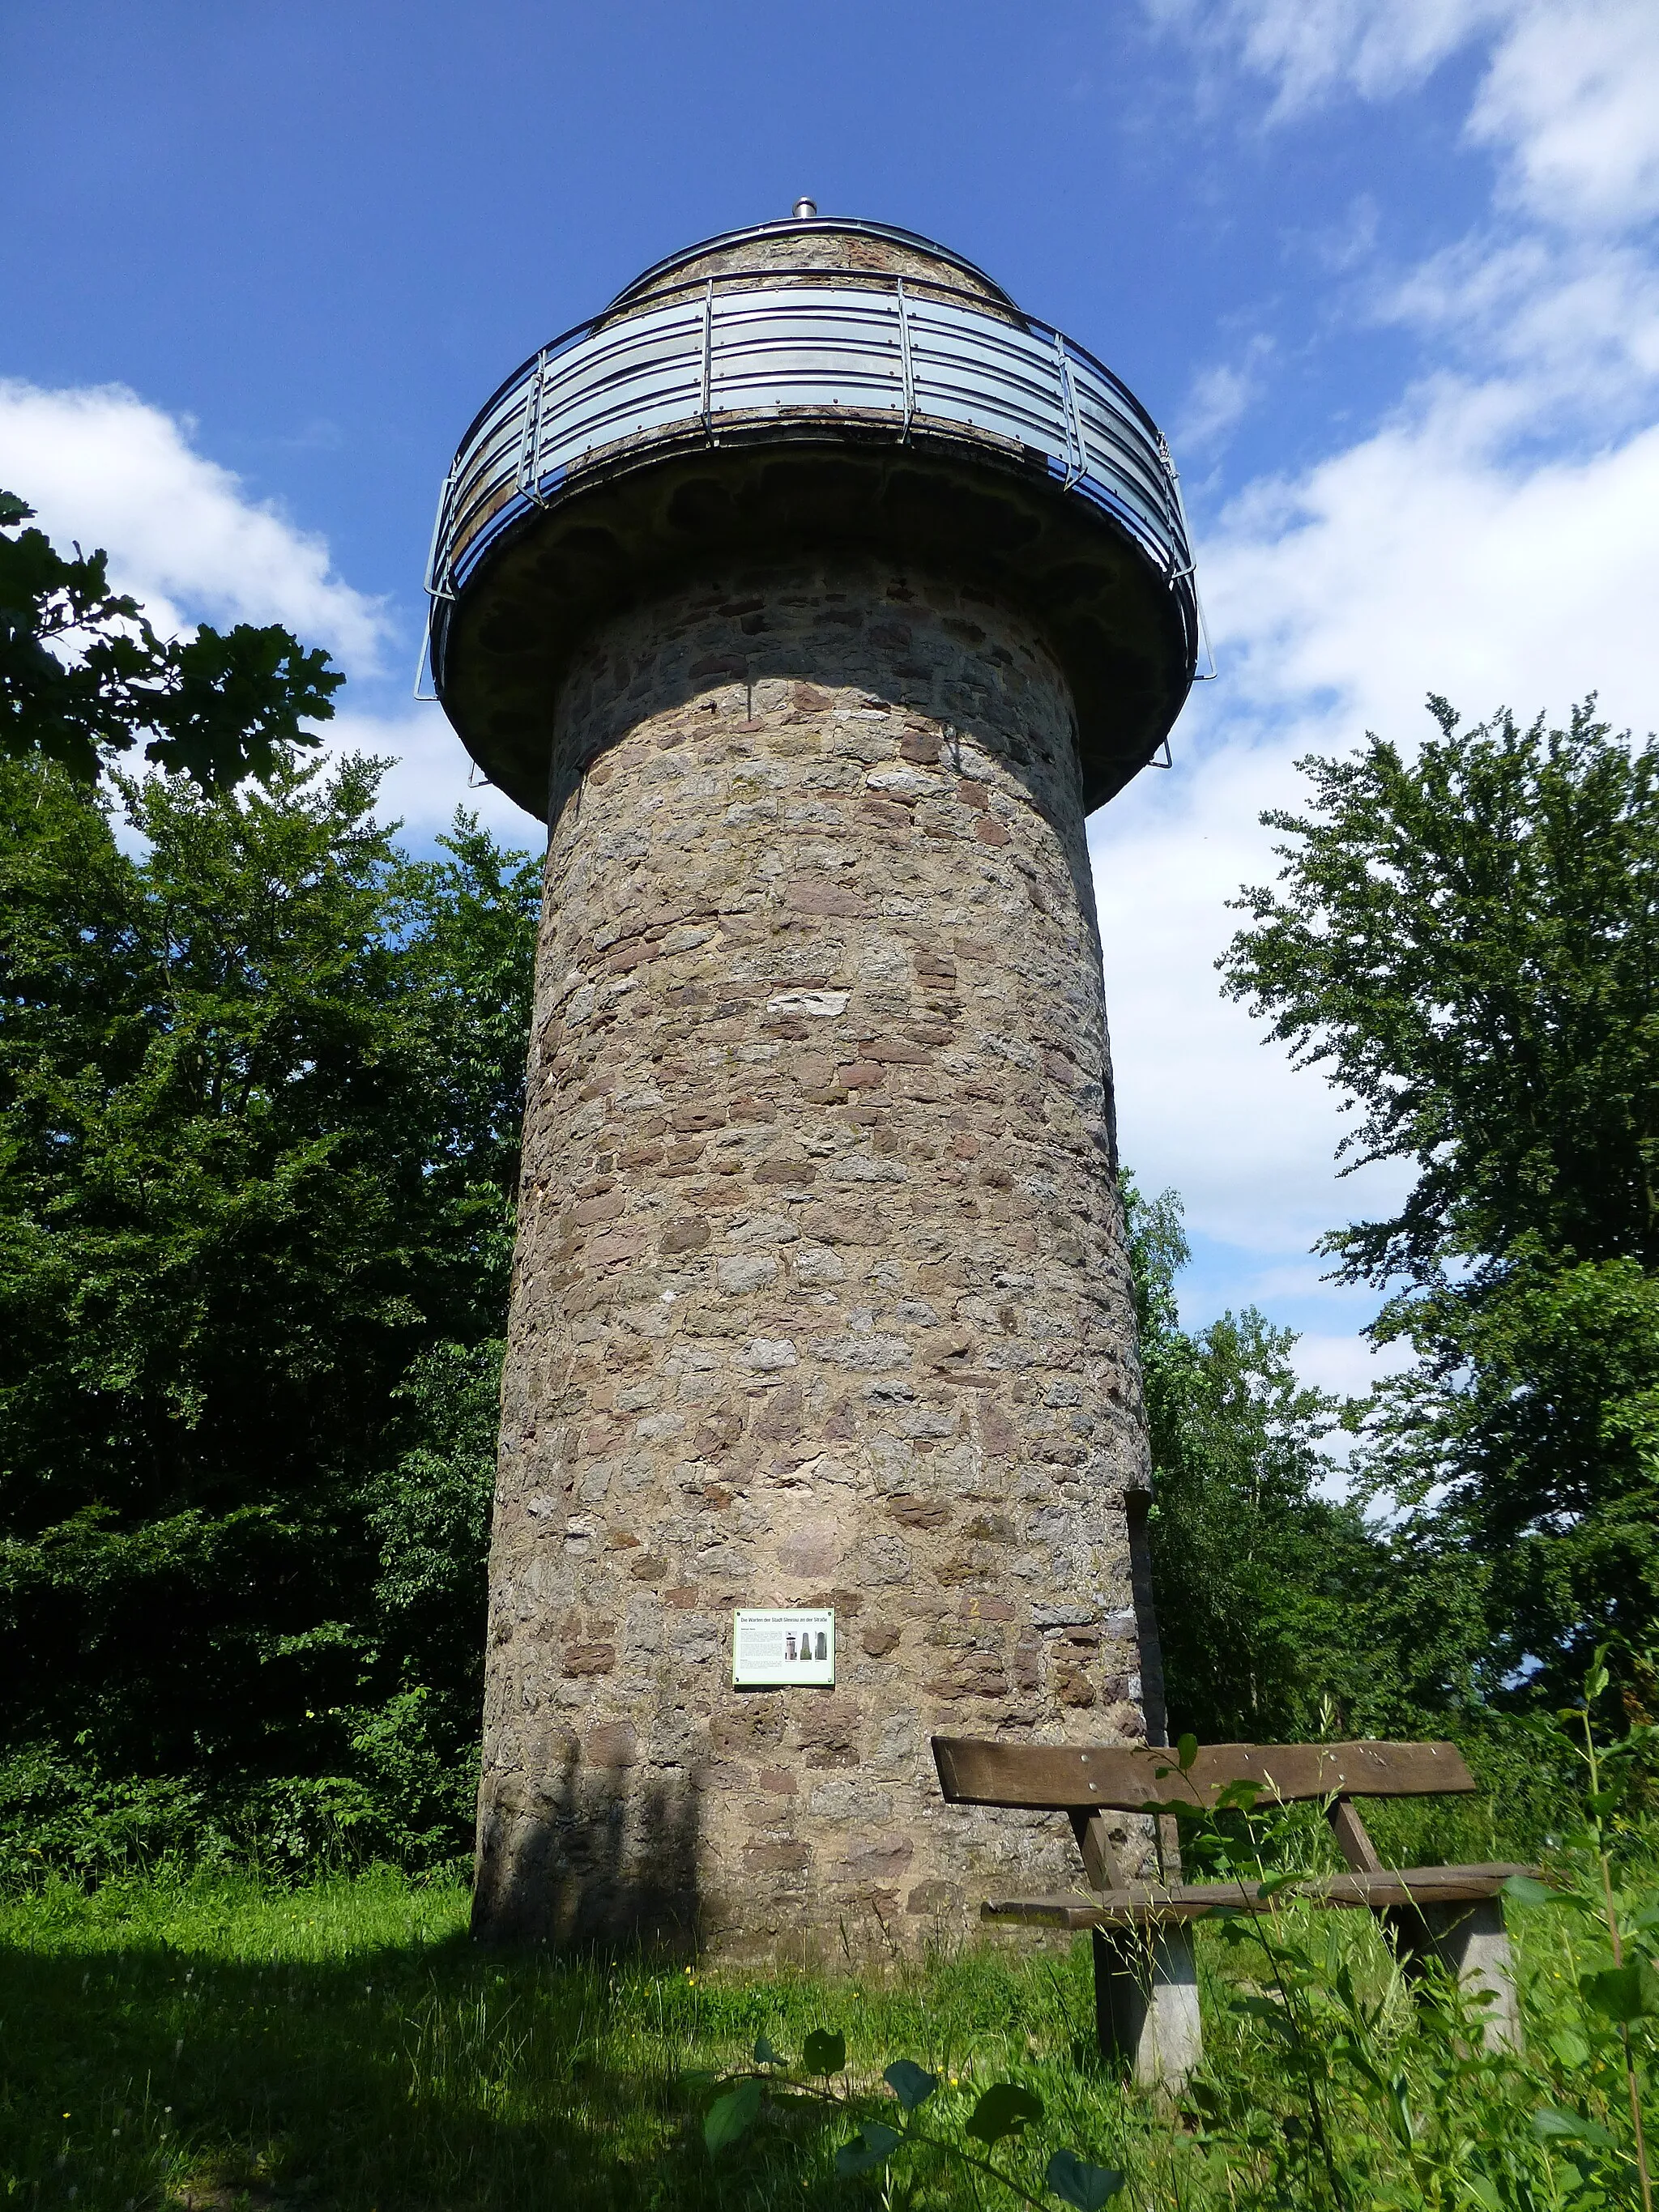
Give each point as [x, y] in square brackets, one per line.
[1145, 1984]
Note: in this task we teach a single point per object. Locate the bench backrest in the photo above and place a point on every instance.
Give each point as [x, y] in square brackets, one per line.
[1129, 1777]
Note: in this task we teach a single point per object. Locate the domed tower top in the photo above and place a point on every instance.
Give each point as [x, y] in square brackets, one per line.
[809, 247]
[797, 385]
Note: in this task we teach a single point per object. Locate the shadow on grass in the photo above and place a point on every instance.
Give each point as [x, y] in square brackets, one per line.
[426, 2074]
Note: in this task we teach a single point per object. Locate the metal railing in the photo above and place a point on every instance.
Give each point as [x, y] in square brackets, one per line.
[730, 352]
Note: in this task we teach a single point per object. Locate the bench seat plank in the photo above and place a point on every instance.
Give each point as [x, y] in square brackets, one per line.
[1146, 1903]
[1129, 1777]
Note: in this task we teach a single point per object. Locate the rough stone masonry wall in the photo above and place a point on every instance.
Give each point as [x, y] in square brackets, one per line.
[820, 1294]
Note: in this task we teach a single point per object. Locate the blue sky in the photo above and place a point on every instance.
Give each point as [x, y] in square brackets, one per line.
[1384, 269]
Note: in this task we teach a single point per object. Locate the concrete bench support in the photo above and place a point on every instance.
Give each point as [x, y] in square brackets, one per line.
[1147, 2003]
[1471, 1941]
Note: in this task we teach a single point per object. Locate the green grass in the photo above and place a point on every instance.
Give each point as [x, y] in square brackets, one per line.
[213, 2041]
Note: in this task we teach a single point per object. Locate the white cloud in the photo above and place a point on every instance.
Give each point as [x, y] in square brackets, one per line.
[1572, 95]
[1345, 1365]
[1203, 1104]
[1570, 99]
[1221, 396]
[1422, 559]
[102, 467]
[1310, 47]
[1576, 324]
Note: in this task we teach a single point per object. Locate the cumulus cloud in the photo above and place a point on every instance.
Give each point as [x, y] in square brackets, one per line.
[1221, 396]
[1418, 560]
[1203, 1104]
[1574, 327]
[1568, 100]
[1572, 97]
[103, 466]
[1308, 48]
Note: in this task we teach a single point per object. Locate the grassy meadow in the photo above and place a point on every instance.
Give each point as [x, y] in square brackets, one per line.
[216, 2042]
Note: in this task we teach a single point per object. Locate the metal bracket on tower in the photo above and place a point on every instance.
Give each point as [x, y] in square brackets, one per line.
[1172, 478]
[433, 588]
[907, 366]
[1077, 450]
[709, 362]
[1204, 675]
[529, 439]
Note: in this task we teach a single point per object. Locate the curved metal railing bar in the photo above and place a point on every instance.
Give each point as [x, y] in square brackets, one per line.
[736, 350]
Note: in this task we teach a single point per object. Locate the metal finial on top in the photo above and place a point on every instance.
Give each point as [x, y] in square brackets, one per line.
[804, 210]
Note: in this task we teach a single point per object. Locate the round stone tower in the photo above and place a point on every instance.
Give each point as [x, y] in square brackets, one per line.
[814, 593]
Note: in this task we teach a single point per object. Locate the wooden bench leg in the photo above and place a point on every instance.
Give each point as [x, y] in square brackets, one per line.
[1473, 1942]
[1147, 2003]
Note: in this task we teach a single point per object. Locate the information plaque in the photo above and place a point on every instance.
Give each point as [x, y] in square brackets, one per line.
[773, 1647]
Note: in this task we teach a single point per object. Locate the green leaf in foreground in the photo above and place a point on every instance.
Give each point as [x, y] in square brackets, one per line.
[1623, 1994]
[764, 2054]
[1004, 2109]
[1272, 1885]
[825, 2051]
[872, 2146]
[1523, 1890]
[1570, 2127]
[732, 2116]
[1076, 2182]
[911, 2084]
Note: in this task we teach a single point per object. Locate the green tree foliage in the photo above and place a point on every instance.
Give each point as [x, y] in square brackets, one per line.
[1468, 942]
[82, 674]
[260, 1086]
[1527, 1434]
[1280, 1611]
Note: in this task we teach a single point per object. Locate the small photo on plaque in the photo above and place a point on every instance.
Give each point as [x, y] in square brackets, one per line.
[775, 1647]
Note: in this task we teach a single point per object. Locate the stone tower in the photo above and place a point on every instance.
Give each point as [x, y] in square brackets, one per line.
[814, 593]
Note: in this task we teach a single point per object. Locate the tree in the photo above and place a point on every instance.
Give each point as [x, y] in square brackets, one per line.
[1468, 942]
[82, 674]
[1527, 1435]
[1278, 1608]
[260, 1085]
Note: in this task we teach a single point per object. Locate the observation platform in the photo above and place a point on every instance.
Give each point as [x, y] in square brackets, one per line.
[790, 389]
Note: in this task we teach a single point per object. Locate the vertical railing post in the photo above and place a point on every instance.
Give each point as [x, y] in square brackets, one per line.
[1188, 568]
[530, 438]
[1077, 450]
[434, 589]
[907, 367]
[709, 362]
